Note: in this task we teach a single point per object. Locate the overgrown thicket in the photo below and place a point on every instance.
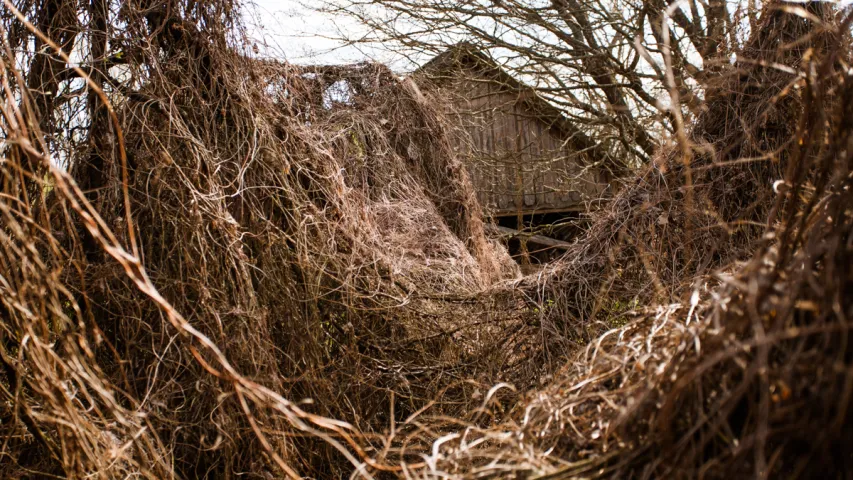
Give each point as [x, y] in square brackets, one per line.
[194, 242]
[221, 239]
[704, 202]
[727, 264]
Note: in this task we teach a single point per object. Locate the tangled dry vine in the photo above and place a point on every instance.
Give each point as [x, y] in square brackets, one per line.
[212, 266]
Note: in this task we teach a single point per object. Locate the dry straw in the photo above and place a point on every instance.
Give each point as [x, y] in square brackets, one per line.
[193, 241]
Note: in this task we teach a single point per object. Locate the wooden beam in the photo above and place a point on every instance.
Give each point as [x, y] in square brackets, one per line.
[541, 211]
[506, 232]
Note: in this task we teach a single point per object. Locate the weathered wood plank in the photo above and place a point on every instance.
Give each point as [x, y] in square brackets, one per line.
[506, 232]
[517, 159]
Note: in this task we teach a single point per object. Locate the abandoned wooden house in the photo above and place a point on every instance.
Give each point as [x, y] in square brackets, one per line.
[525, 158]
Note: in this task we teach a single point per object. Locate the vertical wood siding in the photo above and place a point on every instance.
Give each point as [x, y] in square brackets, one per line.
[516, 160]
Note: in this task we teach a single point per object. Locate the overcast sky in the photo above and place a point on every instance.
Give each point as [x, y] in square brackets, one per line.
[285, 29]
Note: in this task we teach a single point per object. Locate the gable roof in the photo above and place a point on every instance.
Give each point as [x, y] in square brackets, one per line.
[465, 57]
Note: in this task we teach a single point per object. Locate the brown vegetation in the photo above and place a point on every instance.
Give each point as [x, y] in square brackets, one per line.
[193, 242]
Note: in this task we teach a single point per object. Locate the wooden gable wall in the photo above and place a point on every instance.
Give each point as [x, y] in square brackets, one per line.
[517, 161]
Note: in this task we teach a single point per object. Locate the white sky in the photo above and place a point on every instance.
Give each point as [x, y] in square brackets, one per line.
[286, 29]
